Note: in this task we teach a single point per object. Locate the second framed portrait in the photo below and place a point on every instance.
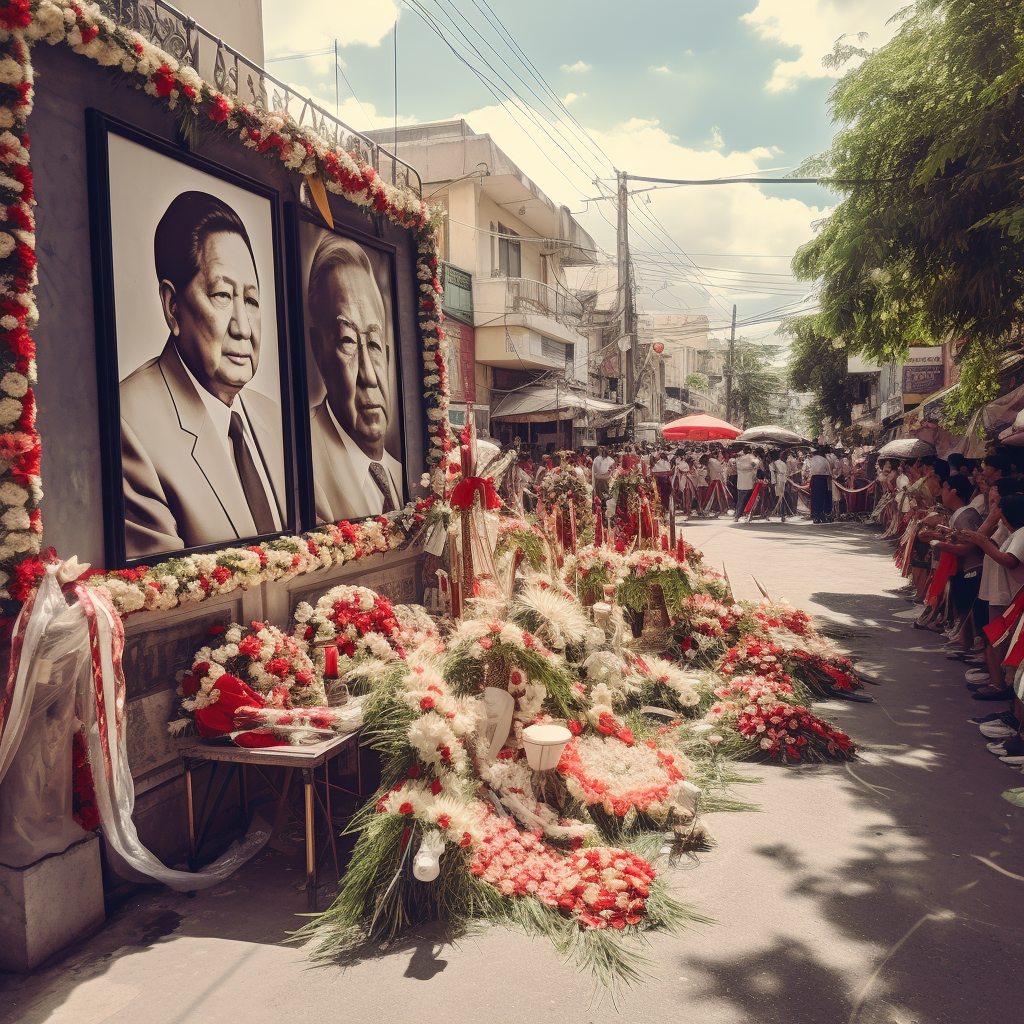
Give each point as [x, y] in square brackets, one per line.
[348, 394]
[190, 348]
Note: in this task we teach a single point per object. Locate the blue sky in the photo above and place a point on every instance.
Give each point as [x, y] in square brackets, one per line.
[670, 88]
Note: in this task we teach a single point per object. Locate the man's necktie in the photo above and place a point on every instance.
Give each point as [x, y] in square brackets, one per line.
[380, 478]
[252, 485]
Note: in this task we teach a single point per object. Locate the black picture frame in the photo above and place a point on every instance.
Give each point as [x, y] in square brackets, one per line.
[295, 214]
[99, 127]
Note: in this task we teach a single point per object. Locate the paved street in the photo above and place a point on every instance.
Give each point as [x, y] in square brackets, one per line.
[884, 891]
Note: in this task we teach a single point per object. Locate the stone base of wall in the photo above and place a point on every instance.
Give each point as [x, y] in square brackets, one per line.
[49, 904]
[158, 645]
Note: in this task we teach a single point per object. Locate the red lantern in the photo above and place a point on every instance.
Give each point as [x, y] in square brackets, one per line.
[658, 347]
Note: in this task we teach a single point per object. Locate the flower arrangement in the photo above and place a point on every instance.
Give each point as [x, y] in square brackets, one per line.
[599, 774]
[759, 711]
[83, 794]
[249, 666]
[642, 569]
[275, 135]
[590, 570]
[565, 488]
[346, 615]
[514, 532]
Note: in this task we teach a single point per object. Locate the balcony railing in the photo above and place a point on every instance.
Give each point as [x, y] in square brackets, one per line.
[237, 76]
[525, 296]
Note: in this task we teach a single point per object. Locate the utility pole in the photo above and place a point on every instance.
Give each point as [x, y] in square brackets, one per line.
[626, 286]
[728, 369]
[337, 95]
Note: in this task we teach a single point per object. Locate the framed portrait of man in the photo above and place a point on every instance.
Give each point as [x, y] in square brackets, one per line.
[191, 349]
[349, 393]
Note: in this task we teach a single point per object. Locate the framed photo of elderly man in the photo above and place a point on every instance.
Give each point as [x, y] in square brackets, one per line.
[191, 350]
[349, 394]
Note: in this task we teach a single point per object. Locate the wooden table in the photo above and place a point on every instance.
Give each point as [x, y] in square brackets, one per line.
[306, 758]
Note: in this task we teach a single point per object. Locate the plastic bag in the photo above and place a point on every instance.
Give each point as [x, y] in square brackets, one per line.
[76, 649]
[35, 750]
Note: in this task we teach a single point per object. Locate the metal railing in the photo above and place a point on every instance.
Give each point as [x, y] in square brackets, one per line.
[237, 76]
[526, 296]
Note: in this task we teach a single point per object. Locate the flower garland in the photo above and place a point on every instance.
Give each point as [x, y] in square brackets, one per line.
[276, 136]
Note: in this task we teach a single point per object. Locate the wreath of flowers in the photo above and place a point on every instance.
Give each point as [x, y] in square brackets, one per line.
[597, 773]
[199, 107]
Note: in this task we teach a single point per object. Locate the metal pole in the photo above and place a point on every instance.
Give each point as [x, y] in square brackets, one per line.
[337, 95]
[626, 285]
[394, 163]
[728, 369]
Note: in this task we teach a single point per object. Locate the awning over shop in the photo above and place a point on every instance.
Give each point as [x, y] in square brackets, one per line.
[541, 405]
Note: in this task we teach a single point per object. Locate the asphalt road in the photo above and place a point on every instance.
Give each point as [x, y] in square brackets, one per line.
[889, 891]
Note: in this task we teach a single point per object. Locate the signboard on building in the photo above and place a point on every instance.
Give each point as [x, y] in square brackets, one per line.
[460, 360]
[923, 371]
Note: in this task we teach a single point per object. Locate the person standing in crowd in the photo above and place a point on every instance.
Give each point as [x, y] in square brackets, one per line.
[780, 476]
[818, 468]
[966, 582]
[601, 473]
[1002, 578]
[746, 474]
[662, 471]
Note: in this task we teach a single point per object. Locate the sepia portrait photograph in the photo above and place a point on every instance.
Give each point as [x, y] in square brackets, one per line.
[202, 431]
[351, 385]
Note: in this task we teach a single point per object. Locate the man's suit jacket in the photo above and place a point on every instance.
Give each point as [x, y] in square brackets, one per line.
[181, 488]
[338, 496]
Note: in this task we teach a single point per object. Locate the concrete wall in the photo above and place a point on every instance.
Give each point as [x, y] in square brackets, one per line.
[238, 22]
[67, 393]
[159, 644]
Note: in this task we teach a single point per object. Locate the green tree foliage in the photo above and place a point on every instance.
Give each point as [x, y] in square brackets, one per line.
[697, 382]
[928, 241]
[817, 365]
[754, 384]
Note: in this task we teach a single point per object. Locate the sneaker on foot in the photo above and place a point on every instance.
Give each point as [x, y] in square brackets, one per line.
[1017, 759]
[997, 730]
[982, 719]
[977, 675]
[999, 749]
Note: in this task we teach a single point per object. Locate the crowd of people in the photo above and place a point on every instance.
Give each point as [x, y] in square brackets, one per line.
[712, 479]
[960, 529]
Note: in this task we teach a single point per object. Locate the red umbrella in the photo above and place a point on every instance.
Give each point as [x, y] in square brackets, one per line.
[699, 428]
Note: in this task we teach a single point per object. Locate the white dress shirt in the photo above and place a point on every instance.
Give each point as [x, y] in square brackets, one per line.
[818, 465]
[746, 469]
[363, 480]
[220, 414]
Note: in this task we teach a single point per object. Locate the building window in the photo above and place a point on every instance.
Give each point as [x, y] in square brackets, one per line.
[510, 259]
[556, 351]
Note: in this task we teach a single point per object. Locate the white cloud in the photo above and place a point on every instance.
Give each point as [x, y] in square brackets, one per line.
[727, 219]
[716, 141]
[360, 116]
[290, 25]
[662, 69]
[578, 68]
[572, 97]
[813, 26]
